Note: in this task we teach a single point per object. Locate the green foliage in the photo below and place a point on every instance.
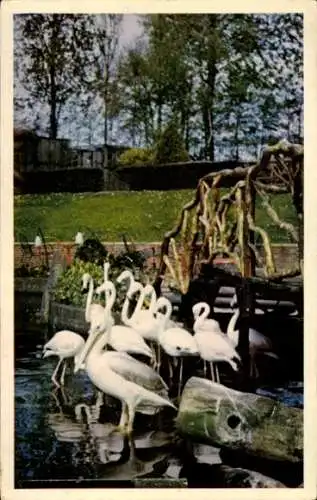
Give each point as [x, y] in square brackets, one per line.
[136, 156]
[68, 289]
[90, 258]
[169, 146]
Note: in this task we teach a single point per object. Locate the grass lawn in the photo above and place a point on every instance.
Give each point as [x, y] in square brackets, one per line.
[143, 216]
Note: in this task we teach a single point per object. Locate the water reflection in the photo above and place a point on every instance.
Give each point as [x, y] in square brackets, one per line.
[70, 433]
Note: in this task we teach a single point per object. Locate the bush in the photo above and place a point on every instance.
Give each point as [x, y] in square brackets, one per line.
[136, 156]
[90, 258]
[69, 284]
[92, 250]
[170, 146]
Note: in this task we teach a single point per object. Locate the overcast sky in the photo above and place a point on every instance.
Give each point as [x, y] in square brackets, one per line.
[130, 29]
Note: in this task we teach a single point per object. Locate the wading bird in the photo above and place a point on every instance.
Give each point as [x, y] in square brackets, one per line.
[94, 313]
[64, 344]
[176, 342]
[121, 338]
[135, 384]
[214, 346]
[258, 343]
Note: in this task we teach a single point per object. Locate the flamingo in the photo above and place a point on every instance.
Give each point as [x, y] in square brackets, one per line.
[121, 338]
[201, 311]
[214, 346]
[135, 384]
[65, 344]
[139, 315]
[257, 341]
[176, 342]
[94, 313]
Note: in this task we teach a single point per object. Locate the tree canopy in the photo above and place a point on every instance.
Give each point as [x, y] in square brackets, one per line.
[231, 81]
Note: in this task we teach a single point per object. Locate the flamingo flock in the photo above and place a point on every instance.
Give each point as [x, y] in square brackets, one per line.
[147, 332]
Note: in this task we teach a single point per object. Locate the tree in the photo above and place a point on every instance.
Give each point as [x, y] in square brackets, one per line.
[169, 146]
[101, 70]
[50, 56]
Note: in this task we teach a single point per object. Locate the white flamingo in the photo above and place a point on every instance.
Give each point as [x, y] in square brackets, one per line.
[139, 315]
[133, 287]
[94, 313]
[121, 338]
[176, 341]
[135, 384]
[201, 311]
[65, 344]
[258, 343]
[214, 346]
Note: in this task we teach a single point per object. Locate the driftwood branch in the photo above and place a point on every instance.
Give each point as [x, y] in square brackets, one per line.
[287, 226]
[211, 218]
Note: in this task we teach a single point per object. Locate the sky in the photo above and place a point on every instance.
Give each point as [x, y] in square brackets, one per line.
[83, 130]
[130, 29]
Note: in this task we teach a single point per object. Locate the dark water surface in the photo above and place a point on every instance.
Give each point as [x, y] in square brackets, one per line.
[65, 435]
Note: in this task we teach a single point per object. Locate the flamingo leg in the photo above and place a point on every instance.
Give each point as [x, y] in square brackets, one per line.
[158, 357]
[131, 414]
[64, 395]
[99, 400]
[205, 368]
[257, 374]
[62, 379]
[251, 367]
[53, 377]
[123, 418]
[212, 373]
[180, 377]
[154, 358]
[170, 367]
[217, 374]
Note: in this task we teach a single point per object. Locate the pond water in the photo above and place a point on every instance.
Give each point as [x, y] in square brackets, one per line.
[67, 436]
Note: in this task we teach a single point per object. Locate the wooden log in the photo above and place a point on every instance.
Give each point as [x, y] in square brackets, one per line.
[214, 414]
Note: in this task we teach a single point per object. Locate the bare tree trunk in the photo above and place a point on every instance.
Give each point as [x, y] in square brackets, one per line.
[53, 105]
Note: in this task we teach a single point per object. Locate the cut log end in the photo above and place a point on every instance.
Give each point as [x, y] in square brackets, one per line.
[216, 415]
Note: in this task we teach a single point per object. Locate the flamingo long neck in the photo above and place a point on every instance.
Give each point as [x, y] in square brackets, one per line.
[232, 324]
[138, 306]
[89, 299]
[106, 267]
[124, 312]
[205, 310]
[97, 348]
[153, 300]
[98, 345]
[141, 300]
[165, 317]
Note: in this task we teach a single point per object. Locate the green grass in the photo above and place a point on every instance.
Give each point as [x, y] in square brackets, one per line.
[143, 216]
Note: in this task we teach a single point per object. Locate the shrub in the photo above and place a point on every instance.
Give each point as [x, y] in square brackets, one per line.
[92, 250]
[68, 289]
[136, 156]
[169, 146]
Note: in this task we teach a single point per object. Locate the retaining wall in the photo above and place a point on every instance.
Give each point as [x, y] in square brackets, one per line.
[285, 255]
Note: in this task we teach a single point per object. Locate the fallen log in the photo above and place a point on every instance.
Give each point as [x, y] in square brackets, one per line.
[214, 414]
